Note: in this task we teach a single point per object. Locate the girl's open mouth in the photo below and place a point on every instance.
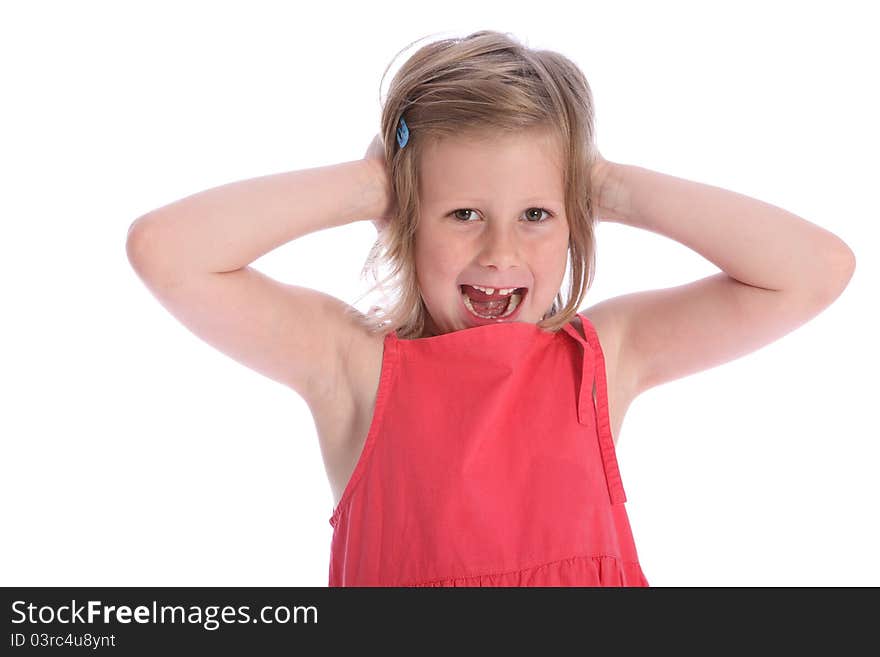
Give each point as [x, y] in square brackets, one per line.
[495, 307]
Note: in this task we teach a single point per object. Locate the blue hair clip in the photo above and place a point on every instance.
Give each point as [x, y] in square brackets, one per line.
[402, 133]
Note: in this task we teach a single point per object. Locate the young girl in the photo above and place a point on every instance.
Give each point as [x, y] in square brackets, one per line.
[468, 429]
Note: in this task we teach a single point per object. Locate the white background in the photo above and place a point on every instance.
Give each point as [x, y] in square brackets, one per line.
[135, 454]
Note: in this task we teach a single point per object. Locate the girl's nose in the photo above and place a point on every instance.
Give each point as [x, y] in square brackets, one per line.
[499, 247]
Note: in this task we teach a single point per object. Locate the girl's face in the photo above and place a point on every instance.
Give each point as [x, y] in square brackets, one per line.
[492, 213]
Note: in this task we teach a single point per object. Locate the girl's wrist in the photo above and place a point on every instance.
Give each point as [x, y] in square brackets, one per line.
[612, 197]
[377, 188]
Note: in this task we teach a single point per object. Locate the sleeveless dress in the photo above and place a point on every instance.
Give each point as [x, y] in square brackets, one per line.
[488, 463]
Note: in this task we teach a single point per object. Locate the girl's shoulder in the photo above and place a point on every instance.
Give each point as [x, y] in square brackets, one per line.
[620, 394]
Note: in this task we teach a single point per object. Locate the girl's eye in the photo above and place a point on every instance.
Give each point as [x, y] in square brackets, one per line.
[538, 221]
[457, 216]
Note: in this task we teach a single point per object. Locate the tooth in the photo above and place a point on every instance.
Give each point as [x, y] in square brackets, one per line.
[514, 302]
[492, 290]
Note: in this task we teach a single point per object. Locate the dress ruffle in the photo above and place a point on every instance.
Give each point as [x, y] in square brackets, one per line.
[575, 571]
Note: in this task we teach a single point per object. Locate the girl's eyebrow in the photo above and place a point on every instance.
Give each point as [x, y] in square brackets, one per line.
[480, 201]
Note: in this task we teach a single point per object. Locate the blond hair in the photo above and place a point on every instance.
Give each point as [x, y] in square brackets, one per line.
[485, 83]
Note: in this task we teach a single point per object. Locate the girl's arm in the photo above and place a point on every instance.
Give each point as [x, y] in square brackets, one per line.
[778, 271]
[228, 227]
[193, 255]
[754, 242]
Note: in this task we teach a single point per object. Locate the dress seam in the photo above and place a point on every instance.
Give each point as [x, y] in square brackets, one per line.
[607, 450]
[518, 570]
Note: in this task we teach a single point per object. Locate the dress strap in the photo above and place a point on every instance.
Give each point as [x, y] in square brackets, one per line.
[593, 368]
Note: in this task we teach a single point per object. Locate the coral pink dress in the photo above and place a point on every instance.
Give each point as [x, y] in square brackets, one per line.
[488, 463]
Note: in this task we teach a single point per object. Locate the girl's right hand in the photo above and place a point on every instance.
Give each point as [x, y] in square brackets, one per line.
[375, 155]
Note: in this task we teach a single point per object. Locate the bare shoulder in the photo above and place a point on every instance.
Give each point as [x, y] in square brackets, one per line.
[343, 415]
[602, 320]
[619, 370]
[362, 363]
[352, 388]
